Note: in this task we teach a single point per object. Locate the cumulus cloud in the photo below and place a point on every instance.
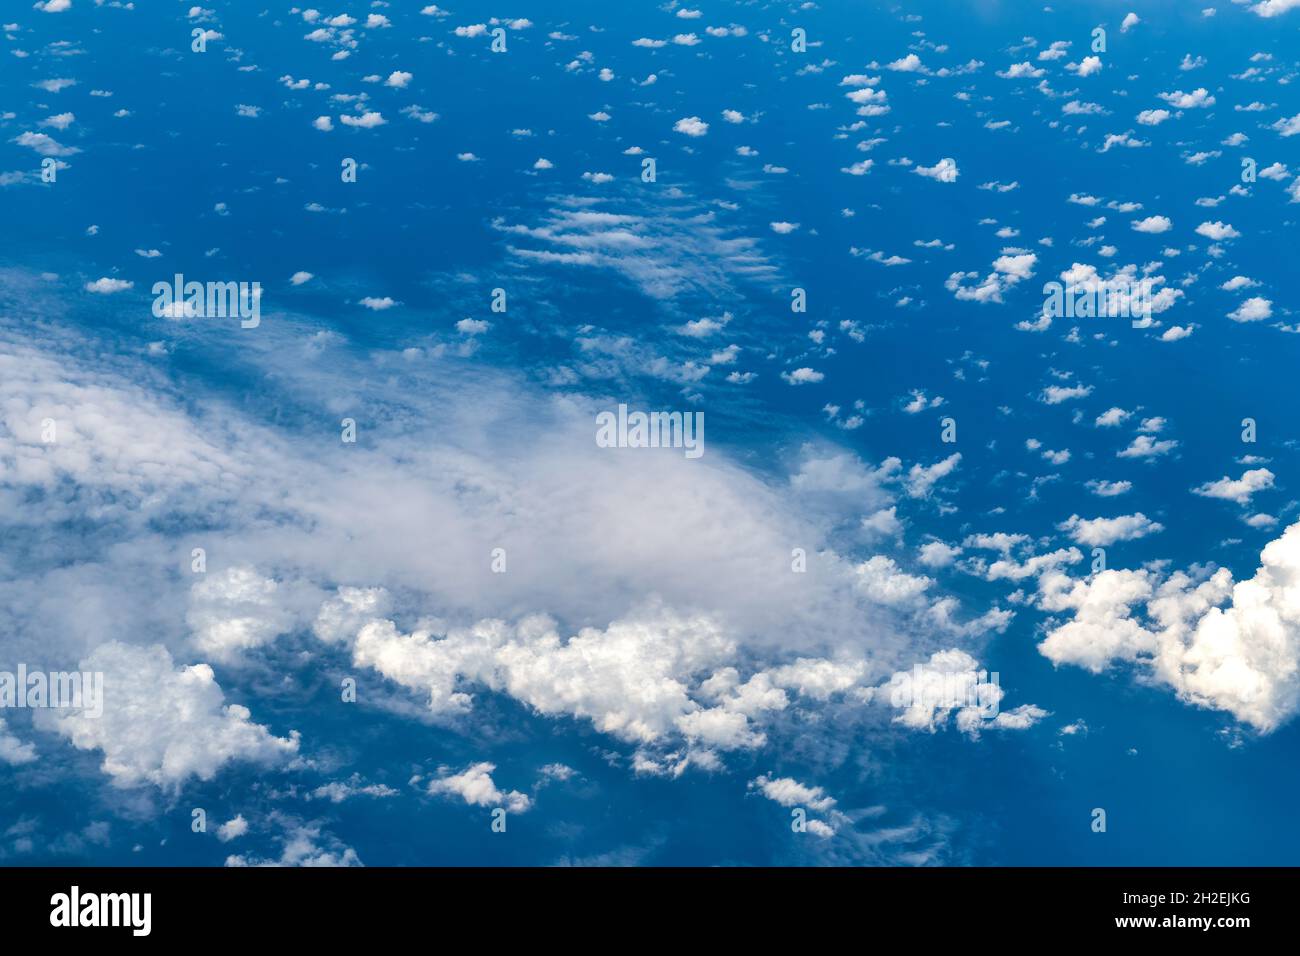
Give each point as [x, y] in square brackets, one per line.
[303, 845]
[163, 724]
[1197, 99]
[1147, 446]
[1217, 231]
[107, 286]
[1240, 489]
[367, 120]
[650, 676]
[1106, 531]
[944, 171]
[1232, 647]
[789, 792]
[1274, 8]
[1025, 70]
[921, 479]
[951, 685]
[1056, 394]
[232, 829]
[235, 610]
[1086, 67]
[631, 680]
[1153, 224]
[1254, 309]
[474, 785]
[13, 751]
[691, 126]
[1008, 270]
[1287, 126]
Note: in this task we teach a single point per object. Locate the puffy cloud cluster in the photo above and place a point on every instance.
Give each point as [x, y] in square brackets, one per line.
[164, 725]
[304, 845]
[1242, 658]
[658, 679]
[1008, 269]
[952, 685]
[280, 522]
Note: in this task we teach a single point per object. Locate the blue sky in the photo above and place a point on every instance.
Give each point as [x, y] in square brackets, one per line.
[640, 657]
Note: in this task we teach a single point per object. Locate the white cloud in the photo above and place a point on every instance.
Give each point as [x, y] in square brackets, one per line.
[628, 680]
[1144, 446]
[45, 144]
[803, 376]
[623, 669]
[107, 286]
[691, 126]
[1288, 127]
[944, 171]
[908, 64]
[1217, 231]
[1197, 99]
[922, 479]
[1153, 117]
[951, 684]
[1254, 309]
[474, 785]
[1008, 270]
[789, 792]
[1153, 224]
[1086, 67]
[1025, 70]
[301, 847]
[163, 725]
[1242, 658]
[13, 751]
[1109, 489]
[1240, 489]
[367, 120]
[1056, 394]
[232, 829]
[235, 610]
[937, 554]
[1274, 8]
[884, 582]
[1100, 532]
